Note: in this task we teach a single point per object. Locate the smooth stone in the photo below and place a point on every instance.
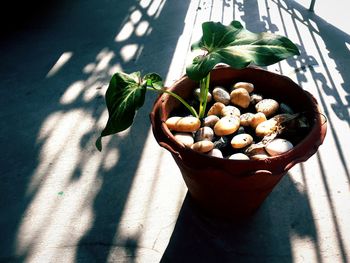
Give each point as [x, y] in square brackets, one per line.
[216, 109]
[278, 146]
[255, 98]
[202, 146]
[246, 118]
[172, 121]
[221, 143]
[197, 94]
[226, 125]
[221, 95]
[267, 106]
[204, 133]
[239, 156]
[188, 124]
[284, 108]
[210, 120]
[241, 140]
[240, 97]
[245, 85]
[258, 154]
[216, 153]
[266, 128]
[184, 138]
[230, 111]
[257, 119]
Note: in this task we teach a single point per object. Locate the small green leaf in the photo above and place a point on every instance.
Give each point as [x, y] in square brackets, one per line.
[124, 96]
[237, 47]
[153, 80]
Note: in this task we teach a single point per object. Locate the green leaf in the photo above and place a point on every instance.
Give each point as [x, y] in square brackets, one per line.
[237, 47]
[153, 80]
[124, 96]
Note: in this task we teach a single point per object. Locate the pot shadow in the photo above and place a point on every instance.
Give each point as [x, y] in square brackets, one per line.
[264, 237]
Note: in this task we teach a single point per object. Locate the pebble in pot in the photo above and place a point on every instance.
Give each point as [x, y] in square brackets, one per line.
[204, 133]
[184, 138]
[210, 120]
[215, 153]
[183, 124]
[226, 125]
[241, 140]
[216, 109]
[202, 146]
[197, 94]
[187, 124]
[278, 146]
[257, 119]
[267, 106]
[245, 85]
[172, 121]
[221, 95]
[240, 97]
[255, 98]
[258, 154]
[246, 118]
[266, 127]
[239, 156]
[230, 111]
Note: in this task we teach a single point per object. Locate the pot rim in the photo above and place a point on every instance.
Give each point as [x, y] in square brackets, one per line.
[295, 155]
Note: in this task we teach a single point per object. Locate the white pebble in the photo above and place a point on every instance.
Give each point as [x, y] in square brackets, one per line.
[278, 146]
[215, 153]
[239, 156]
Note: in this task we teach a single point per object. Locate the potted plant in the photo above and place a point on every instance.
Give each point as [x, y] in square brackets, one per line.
[219, 185]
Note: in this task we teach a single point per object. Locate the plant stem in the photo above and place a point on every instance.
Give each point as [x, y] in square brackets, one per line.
[204, 90]
[190, 108]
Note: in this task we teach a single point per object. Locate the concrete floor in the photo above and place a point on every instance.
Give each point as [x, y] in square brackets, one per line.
[63, 201]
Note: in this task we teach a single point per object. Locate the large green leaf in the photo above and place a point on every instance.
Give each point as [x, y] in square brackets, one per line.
[125, 94]
[237, 47]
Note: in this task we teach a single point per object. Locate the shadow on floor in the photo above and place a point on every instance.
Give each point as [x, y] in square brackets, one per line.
[88, 32]
[265, 237]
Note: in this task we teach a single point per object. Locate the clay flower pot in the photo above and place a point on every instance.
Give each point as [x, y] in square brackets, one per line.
[236, 188]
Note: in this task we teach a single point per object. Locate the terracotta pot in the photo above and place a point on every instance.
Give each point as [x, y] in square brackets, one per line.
[233, 188]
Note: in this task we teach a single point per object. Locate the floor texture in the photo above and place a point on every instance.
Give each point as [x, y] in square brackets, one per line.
[63, 201]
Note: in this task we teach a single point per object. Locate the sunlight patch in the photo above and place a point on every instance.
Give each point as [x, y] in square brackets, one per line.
[142, 28]
[104, 60]
[125, 32]
[92, 91]
[63, 59]
[111, 159]
[145, 3]
[135, 16]
[128, 52]
[72, 92]
[347, 45]
[89, 68]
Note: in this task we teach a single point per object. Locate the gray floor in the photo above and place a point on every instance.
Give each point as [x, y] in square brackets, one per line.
[62, 201]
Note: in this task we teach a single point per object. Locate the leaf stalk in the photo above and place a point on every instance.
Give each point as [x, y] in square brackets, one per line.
[204, 90]
[190, 108]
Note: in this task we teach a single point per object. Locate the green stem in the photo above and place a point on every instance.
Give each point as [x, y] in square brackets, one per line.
[204, 90]
[190, 108]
